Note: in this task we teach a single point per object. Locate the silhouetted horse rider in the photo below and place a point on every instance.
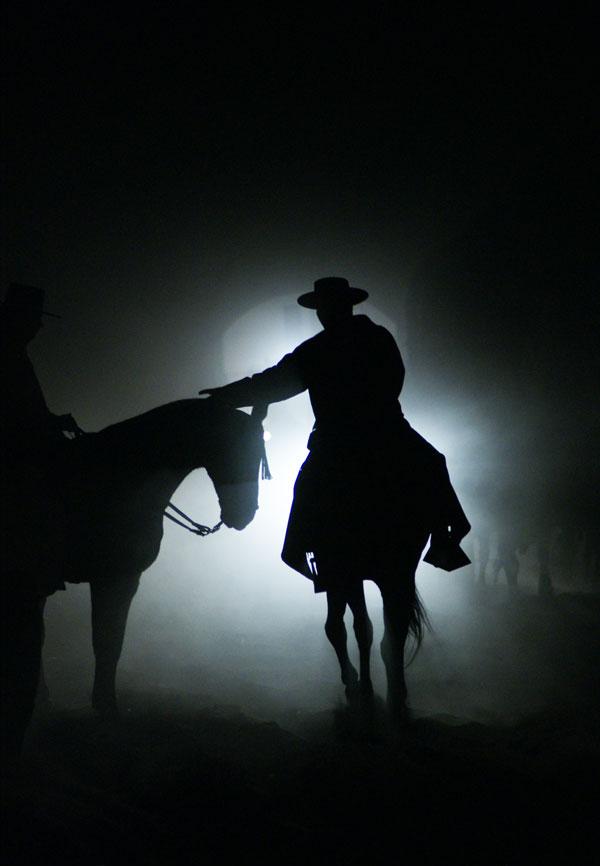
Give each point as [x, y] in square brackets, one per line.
[365, 498]
[31, 445]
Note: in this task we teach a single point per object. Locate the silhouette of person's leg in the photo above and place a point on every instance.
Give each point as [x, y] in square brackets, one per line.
[496, 569]
[508, 560]
[511, 569]
[336, 633]
[363, 630]
[545, 587]
[110, 607]
[484, 556]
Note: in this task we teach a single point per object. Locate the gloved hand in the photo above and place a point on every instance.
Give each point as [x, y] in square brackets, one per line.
[216, 394]
[68, 424]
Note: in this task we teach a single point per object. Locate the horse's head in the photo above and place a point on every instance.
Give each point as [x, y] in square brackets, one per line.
[235, 464]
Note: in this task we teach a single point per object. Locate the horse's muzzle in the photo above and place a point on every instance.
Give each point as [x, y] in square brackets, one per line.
[238, 521]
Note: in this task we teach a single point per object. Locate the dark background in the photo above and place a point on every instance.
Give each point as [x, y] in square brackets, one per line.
[167, 168]
[155, 156]
[170, 174]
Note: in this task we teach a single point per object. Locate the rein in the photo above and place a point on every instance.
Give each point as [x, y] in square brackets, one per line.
[196, 528]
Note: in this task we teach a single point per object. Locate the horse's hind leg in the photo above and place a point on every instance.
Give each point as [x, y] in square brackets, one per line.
[336, 633]
[398, 603]
[363, 630]
[110, 607]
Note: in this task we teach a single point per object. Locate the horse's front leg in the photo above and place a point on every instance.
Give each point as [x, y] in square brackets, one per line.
[111, 601]
[363, 631]
[336, 633]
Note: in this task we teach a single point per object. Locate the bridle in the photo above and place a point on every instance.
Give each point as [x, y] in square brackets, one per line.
[258, 413]
[195, 528]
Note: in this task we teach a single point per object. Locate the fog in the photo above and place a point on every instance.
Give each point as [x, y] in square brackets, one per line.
[221, 618]
[174, 182]
[147, 320]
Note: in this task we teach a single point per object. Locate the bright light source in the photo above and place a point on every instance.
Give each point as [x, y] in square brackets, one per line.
[266, 435]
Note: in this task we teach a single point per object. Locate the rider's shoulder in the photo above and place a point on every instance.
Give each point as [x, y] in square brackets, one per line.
[310, 345]
[369, 329]
[360, 320]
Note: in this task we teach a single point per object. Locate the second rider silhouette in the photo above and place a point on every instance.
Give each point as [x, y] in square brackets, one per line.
[358, 505]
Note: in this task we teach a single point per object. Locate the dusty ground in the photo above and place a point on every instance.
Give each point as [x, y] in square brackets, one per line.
[185, 779]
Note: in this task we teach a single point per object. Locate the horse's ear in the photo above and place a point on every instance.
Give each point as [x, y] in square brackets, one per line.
[259, 412]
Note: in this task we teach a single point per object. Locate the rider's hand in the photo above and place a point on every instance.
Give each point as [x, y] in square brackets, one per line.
[68, 424]
[215, 393]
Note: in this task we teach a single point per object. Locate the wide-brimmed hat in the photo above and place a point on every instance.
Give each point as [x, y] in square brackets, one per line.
[27, 298]
[329, 289]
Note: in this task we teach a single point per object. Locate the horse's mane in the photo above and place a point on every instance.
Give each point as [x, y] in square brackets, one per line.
[155, 417]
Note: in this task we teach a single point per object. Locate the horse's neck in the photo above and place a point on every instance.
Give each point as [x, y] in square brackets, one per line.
[176, 436]
[160, 486]
[155, 451]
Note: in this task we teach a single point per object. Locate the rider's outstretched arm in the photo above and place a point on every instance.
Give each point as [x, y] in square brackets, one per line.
[274, 384]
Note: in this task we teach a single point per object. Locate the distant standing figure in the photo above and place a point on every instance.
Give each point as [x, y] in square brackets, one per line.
[31, 439]
[371, 490]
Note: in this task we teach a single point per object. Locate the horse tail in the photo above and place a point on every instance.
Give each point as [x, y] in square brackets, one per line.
[418, 624]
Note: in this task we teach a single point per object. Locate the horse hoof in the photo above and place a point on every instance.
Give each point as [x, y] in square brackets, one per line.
[398, 710]
[360, 693]
[352, 691]
[366, 689]
[106, 712]
[350, 681]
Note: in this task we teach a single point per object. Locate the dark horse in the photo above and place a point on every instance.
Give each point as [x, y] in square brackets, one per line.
[118, 483]
[124, 479]
[355, 518]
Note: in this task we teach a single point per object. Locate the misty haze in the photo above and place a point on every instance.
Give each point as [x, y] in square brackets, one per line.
[224, 619]
[174, 186]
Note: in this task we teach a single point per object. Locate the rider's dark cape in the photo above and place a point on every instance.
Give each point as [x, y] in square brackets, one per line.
[370, 484]
[365, 507]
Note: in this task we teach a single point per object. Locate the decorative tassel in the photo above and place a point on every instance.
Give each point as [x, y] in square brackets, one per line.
[265, 472]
